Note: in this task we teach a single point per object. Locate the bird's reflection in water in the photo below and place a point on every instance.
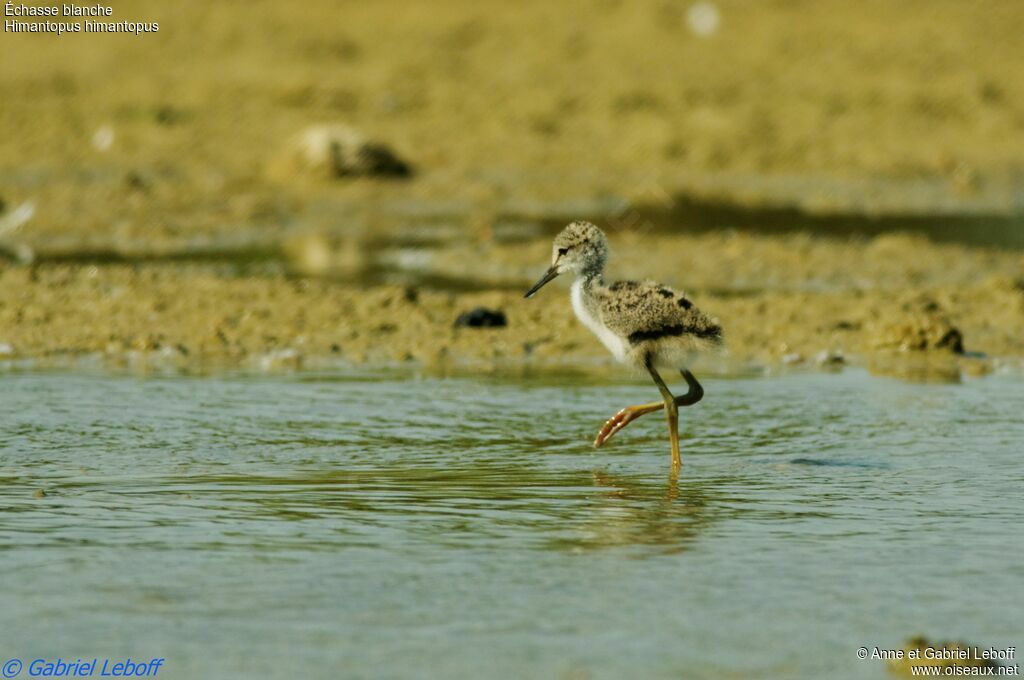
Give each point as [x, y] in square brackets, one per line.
[473, 507]
[630, 511]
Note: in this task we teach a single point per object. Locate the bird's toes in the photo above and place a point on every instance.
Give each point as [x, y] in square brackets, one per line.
[603, 435]
[618, 421]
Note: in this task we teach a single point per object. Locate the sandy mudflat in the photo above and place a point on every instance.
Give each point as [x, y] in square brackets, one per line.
[164, 223]
[795, 310]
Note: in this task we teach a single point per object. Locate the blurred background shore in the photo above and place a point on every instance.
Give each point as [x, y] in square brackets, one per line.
[261, 184]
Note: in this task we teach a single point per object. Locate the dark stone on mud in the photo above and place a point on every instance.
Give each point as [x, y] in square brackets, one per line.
[952, 340]
[481, 317]
[376, 159]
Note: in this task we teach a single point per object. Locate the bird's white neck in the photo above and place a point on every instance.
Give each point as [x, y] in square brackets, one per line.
[581, 292]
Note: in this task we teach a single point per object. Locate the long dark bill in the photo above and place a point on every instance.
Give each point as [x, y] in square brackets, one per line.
[548, 275]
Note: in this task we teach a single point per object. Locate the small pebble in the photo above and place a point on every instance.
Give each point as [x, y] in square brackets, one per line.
[341, 151]
[703, 18]
[827, 358]
[481, 317]
[103, 138]
[12, 222]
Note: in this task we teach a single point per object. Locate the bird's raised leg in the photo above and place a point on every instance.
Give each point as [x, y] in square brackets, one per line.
[627, 415]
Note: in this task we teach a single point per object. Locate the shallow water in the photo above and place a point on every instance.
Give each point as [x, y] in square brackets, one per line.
[383, 526]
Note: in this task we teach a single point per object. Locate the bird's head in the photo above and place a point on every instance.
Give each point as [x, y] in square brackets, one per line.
[581, 248]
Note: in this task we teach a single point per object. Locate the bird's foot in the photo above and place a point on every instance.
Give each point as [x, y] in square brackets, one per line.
[616, 423]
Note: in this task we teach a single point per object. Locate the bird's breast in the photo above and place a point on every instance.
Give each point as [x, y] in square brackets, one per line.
[615, 344]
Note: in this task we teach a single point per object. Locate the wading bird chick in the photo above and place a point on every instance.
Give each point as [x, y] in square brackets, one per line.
[643, 324]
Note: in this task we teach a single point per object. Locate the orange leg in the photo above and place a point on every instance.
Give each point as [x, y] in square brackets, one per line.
[627, 415]
[672, 411]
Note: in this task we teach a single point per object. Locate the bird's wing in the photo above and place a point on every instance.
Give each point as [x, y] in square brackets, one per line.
[646, 310]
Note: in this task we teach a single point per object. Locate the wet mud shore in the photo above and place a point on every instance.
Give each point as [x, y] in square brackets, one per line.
[794, 301]
[833, 182]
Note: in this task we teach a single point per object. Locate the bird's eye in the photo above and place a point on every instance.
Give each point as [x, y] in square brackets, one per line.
[562, 251]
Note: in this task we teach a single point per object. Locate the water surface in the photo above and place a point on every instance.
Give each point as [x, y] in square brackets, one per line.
[393, 526]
